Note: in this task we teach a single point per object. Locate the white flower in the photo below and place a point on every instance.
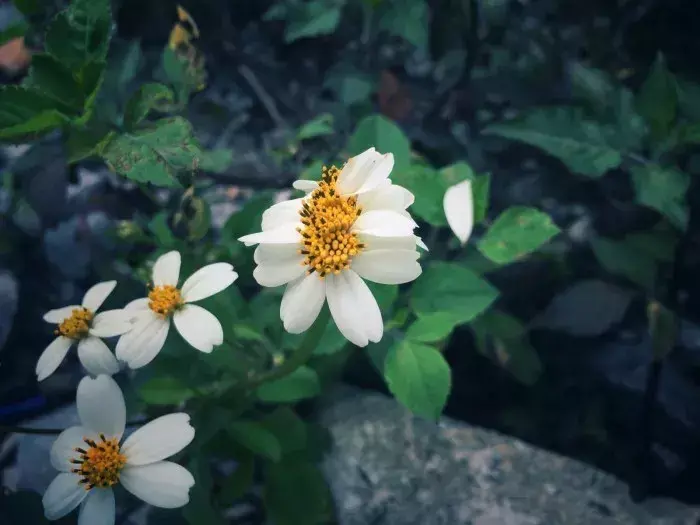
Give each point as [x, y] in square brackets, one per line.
[92, 460]
[151, 315]
[458, 204]
[352, 225]
[79, 324]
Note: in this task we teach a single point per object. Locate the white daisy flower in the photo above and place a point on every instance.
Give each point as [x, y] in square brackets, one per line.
[92, 460]
[352, 225]
[80, 324]
[151, 315]
[458, 205]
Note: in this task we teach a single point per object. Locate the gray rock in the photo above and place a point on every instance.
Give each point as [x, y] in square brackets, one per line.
[390, 468]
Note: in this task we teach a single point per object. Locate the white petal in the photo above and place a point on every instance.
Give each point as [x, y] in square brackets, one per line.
[63, 495]
[96, 357]
[354, 308]
[277, 274]
[384, 223]
[98, 508]
[421, 244]
[53, 356]
[389, 197]
[276, 253]
[110, 323]
[101, 406]
[141, 345]
[302, 302]
[166, 270]
[63, 449]
[282, 213]
[163, 484]
[159, 439]
[387, 266]
[59, 314]
[379, 173]
[207, 281]
[305, 185]
[96, 295]
[374, 242]
[458, 204]
[356, 171]
[286, 234]
[199, 327]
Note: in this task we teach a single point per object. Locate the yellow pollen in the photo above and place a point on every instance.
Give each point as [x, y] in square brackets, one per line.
[164, 300]
[328, 244]
[77, 325]
[99, 463]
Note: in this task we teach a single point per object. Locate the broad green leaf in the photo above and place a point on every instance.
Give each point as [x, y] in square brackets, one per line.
[239, 481]
[688, 99]
[201, 510]
[593, 86]
[312, 18]
[451, 289]
[565, 134]
[312, 171]
[247, 332]
[295, 493]
[378, 132]
[662, 189]
[160, 228]
[155, 154]
[27, 113]
[407, 19]
[517, 232]
[48, 76]
[83, 142]
[431, 328]
[27, 7]
[289, 428]
[331, 342]
[301, 384]
[419, 377]
[16, 30]
[149, 97]
[256, 438]
[165, 391]
[349, 85]
[657, 101]
[499, 323]
[216, 161]
[248, 219]
[319, 126]
[622, 258]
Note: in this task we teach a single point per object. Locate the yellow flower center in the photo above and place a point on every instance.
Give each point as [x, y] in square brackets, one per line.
[328, 243]
[164, 300]
[100, 463]
[77, 325]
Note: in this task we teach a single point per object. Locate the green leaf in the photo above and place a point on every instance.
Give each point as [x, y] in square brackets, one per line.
[83, 141]
[155, 154]
[431, 328]
[319, 126]
[451, 289]
[149, 97]
[313, 18]
[48, 76]
[662, 189]
[419, 377]
[295, 493]
[160, 229]
[165, 391]
[657, 101]
[256, 438]
[200, 510]
[517, 232]
[248, 219]
[376, 131]
[498, 323]
[288, 427]
[27, 7]
[349, 85]
[301, 384]
[623, 258]
[407, 19]
[239, 481]
[565, 134]
[16, 30]
[216, 161]
[27, 113]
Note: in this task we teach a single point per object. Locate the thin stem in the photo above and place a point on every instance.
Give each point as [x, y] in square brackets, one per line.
[298, 359]
[11, 429]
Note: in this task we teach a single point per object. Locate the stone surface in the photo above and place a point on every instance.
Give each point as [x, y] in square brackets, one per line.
[390, 468]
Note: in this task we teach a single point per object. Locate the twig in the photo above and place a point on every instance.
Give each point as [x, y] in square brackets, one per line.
[263, 95]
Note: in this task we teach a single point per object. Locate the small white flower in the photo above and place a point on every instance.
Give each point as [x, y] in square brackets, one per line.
[79, 324]
[352, 225]
[92, 460]
[458, 204]
[151, 315]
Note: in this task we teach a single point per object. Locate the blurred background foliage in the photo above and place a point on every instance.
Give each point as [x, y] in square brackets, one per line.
[578, 124]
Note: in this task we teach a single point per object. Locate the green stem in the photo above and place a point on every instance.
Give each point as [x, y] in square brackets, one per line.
[298, 359]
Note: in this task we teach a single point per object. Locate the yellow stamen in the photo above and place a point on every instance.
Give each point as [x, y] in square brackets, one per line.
[164, 300]
[328, 243]
[77, 325]
[100, 463]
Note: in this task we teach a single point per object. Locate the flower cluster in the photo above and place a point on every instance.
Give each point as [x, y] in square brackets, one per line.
[351, 226]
